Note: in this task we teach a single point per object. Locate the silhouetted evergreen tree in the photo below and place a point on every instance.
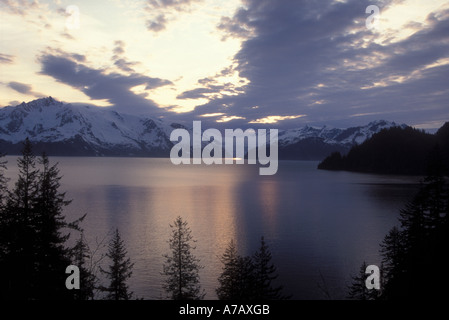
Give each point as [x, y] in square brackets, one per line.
[443, 143]
[237, 281]
[88, 281]
[52, 254]
[414, 253]
[33, 252]
[3, 181]
[392, 251]
[120, 270]
[4, 223]
[248, 278]
[19, 231]
[358, 289]
[264, 274]
[228, 288]
[181, 267]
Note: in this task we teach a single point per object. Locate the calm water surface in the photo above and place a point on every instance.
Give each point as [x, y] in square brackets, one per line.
[320, 225]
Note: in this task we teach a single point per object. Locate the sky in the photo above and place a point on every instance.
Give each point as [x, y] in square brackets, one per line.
[233, 63]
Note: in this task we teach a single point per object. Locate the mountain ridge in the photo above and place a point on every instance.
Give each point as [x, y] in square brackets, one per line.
[98, 131]
[71, 130]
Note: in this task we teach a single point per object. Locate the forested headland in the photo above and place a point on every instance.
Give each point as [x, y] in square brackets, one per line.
[393, 151]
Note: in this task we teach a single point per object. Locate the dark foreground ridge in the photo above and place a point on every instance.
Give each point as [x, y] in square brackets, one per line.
[393, 151]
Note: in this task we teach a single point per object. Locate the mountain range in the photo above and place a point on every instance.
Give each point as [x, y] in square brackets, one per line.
[72, 130]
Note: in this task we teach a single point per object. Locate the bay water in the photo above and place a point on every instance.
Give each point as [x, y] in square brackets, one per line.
[319, 225]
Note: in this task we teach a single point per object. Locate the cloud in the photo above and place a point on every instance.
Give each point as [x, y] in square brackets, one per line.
[24, 89]
[13, 103]
[125, 65]
[21, 7]
[313, 58]
[6, 58]
[20, 87]
[318, 59]
[206, 92]
[158, 24]
[230, 118]
[212, 115]
[210, 91]
[78, 57]
[33, 12]
[119, 59]
[238, 26]
[179, 5]
[196, 93]
[119, 47]
[276, 119]
[68, 36]
[214, 87]
[99, 84]
[163, 11]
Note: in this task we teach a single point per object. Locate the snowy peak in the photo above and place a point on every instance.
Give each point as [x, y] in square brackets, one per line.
[329, 135]
[98, 129]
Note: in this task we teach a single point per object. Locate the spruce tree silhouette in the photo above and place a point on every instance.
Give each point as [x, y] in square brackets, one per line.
[413, 253]
[264, 274]
[81, 257]
[237, 280]
[181, 267]
[19, 230]
[358, 289]
[33, 252]
[228, 286]
[248, 278]
[3, 181]
[120, 270]
[52, 256]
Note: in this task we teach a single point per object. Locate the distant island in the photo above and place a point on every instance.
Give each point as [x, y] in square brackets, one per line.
[395, 150]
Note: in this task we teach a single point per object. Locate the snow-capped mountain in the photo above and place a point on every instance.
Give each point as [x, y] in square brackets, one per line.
[312, 143]
[350, 136]
[72, 130]
[83, 130]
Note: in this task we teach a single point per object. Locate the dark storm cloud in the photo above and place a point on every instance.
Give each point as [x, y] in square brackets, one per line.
[97, 84]
[306, 57]
[24, 89]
